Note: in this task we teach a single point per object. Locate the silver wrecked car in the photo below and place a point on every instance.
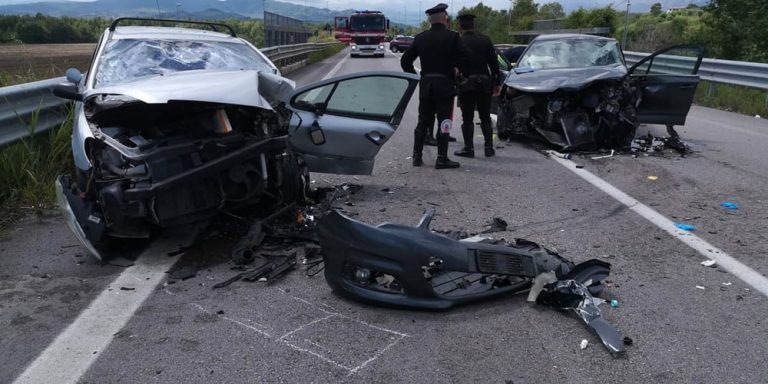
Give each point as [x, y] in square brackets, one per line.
[173, 125]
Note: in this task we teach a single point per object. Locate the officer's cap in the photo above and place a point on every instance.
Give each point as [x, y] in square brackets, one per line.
[466, 17]
[441, 7]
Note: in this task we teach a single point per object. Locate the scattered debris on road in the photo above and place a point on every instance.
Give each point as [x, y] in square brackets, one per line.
[685, 227]
[613, 152]
[729, 205]
[496, 224]
[583, 344]
[709, 263]
[653, 178]
[700, 287]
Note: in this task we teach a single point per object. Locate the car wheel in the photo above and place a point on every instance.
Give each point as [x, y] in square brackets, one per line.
[393, 49]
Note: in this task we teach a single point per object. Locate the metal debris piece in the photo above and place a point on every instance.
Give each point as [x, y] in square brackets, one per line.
[613, 152]
[583, 344]
[575, 296]
[709, 263]
[496, 224]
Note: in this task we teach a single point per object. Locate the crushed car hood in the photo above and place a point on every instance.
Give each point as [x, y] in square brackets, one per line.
[231, 87]
[572, 79]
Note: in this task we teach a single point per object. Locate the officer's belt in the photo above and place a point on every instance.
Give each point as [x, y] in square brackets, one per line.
[434, 76]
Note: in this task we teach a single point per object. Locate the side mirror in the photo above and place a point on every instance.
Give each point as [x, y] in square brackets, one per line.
[73, 75]
[67, 91]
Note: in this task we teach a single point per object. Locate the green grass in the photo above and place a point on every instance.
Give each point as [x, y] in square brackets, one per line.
[314, 57]
[29, 168]
[733, 98]
[8, 79]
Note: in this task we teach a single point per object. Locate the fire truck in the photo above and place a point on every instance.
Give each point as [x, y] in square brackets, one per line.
[341, 29]
[366, 31]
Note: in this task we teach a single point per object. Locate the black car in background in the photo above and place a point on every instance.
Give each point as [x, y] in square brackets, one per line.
[400, 43]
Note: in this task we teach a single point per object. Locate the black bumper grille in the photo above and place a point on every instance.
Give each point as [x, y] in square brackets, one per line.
[490, 262]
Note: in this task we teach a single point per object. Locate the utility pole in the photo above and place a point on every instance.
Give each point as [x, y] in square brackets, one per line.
[509, 23]
[626, 25]
[157, 2]
[178, 5]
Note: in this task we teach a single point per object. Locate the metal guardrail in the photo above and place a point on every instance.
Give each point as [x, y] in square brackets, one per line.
[22, 104]
[752, 75]
[29, 106]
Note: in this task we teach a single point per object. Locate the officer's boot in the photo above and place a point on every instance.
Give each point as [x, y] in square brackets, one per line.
[467, 131]
[418, 147]
[442, 161]
[487, 129]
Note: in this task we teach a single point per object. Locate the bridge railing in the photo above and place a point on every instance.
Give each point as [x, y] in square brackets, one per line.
[33, 104]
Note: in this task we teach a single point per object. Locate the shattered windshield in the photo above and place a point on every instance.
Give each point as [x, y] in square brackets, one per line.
[128, 60]
[367, 23]
[574, 53]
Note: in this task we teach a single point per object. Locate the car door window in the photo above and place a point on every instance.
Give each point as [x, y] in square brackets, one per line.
[677, 60]
[374, 97]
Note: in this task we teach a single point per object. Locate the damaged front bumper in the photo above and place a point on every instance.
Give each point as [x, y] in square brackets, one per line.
[413, 267]
[75, 211]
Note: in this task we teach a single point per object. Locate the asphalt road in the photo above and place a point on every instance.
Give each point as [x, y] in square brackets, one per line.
[297, 330]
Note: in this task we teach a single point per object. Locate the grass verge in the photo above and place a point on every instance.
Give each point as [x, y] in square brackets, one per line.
[732, 98]
[314, 57]
[29, 168]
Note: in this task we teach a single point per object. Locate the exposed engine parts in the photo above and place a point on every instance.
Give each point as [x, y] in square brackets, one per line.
[173, 163]
[602, 115]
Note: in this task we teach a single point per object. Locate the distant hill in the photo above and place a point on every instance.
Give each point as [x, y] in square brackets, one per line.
[191, 8]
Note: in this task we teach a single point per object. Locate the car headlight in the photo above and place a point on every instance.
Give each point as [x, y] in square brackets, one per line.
[354, 47]
[381, 47]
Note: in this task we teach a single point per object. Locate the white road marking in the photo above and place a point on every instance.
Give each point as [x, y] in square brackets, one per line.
[73, 351]
[335, 68]
[727, 262]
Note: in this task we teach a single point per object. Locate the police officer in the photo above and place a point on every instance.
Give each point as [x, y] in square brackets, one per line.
[440, 51]
[478, 81]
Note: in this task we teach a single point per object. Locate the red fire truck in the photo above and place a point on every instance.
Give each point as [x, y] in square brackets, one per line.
[341, 29]
[365, 32]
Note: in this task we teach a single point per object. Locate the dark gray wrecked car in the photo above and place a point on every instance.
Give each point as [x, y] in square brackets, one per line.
[413, 267]
[173, 125]
[575, 92]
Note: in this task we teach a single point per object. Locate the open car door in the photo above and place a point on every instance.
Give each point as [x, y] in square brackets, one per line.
[340, 124]
[668, 79]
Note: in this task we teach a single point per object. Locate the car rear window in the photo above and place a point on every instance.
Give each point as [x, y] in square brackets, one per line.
[128, 60]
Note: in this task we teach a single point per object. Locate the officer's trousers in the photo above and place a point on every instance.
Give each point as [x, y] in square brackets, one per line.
[430, 107]
[468, 102]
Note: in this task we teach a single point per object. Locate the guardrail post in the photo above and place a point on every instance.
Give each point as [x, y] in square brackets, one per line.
[711, 89]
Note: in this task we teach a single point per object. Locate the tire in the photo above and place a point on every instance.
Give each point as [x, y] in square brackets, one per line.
[393, 49]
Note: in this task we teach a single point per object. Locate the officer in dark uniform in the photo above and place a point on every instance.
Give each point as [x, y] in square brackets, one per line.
[477, 82]
[440, 51]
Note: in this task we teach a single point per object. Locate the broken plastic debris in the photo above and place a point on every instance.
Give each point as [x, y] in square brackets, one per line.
[700, 287]
[584, 344]
[560, 155]
[727, 284]
[708, 263]
[685, 227]
[729, 205]
[613, 152]
[653, 178]
[538, 284]
[628, 341]
[614, 303]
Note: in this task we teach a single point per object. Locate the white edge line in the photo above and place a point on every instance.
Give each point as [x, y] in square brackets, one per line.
[335, 68]
[78, 346]
[729, 263]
